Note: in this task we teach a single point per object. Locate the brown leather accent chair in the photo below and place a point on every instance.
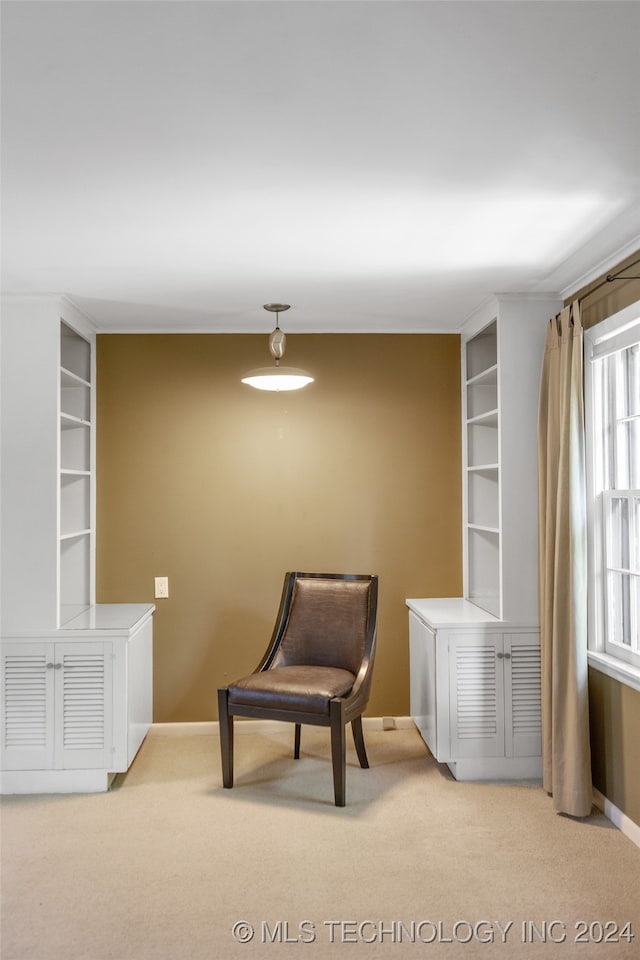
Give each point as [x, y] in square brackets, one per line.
[317, 668]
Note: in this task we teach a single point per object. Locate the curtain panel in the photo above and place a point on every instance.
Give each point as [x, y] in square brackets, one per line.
[563, 568]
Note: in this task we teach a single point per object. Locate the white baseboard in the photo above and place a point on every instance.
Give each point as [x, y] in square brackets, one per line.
[54, 781]
[204, 728]
[617, 817]
[210, 728]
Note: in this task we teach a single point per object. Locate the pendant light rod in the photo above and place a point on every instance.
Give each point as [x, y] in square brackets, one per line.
[277, 378]
[277, 339]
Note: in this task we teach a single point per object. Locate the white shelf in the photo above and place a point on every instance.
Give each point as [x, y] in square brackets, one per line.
[75, 355]
[75, 446]
[482, 353]
[75, 569]
[69, 379]
[69, 422]
[74, 473]
[484, 468]
[483, 528]
[482, 443]
[74, 534]
[75, 504]
[488, 377]
[488, 419]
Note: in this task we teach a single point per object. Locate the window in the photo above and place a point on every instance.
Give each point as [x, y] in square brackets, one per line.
[612, 391]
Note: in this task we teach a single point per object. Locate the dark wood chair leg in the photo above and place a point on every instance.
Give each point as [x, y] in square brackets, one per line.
[358, 739]
[338, 750]
[225, 722]
[296, 742]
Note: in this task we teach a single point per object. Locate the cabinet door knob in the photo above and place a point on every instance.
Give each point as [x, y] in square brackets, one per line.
[500, 656]
[507, 656]
[57, 666]
[49, 666]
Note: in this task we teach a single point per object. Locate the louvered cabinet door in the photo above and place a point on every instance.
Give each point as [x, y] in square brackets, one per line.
[27, 706]
[522, 695]
[83, 705]
[476, 696]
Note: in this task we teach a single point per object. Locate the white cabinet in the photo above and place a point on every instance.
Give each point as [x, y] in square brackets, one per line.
[475, 690]
[76, 676]
[76, 704]
[475, 660]
[502, 351]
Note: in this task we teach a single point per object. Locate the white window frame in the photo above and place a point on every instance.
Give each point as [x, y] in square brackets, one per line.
[611, 336]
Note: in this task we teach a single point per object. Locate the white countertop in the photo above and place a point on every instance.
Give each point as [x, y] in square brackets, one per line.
[450, 612]
[110, 617]
[103, 619]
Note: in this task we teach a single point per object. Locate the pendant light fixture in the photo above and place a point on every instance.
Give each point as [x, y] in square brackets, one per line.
[277, 377]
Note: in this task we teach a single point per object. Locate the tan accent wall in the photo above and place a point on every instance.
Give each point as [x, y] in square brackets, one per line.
[614, 714]
[223, 489]
[614, 708]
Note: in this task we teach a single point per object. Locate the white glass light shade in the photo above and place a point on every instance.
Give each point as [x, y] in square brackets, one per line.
[277, 378]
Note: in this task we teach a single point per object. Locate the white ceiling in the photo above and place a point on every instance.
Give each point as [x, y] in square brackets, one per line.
[382, 166]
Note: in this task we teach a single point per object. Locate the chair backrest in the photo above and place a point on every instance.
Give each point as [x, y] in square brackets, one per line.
[329, 620]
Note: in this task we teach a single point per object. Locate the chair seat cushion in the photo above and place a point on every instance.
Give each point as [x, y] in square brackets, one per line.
[301, 688]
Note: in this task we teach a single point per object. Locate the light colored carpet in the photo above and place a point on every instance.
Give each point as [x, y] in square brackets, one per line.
[163, 866]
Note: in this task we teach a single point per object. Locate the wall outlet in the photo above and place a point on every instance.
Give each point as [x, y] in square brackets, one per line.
[162, 587]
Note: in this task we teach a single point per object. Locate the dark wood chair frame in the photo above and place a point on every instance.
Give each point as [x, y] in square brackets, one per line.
[342, 710]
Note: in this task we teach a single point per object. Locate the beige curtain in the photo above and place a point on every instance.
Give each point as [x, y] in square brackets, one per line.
[563, 568]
